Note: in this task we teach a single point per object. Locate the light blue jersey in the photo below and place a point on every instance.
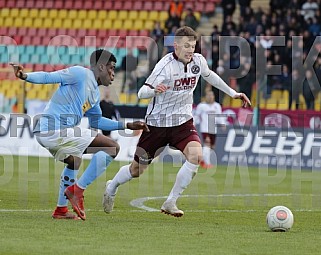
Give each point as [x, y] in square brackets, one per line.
[77, 95]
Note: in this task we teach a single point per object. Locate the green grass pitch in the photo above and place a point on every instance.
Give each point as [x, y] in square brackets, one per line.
[225, 209]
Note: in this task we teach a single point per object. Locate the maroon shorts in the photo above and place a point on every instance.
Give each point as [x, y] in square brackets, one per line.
[210, 137]
[152, 143]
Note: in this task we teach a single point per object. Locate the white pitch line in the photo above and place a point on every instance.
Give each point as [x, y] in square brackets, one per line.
[139, 202]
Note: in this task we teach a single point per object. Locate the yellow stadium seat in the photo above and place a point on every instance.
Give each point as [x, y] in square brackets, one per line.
[19, 22]
[143, 15]
[149, 24]
[53, 13]
[283, 103]
[63, 14]
[77, 23]
[8, 22]
[277, 94]
[14, 12]
[107, 24]
[10, 94]
[132, 15]
[103, 15]
[122, 15]
[153, 15]
[303, 105]
[5, 12]
[271, 104]
[128, 24]
[73, 14]
[92, 14]
[32, 94]
[2, 21]
[97, 24]
[317, 102]
[37, 22]
[112, 15]
[87, 24]
[82, 14]
[43, 13]
[57, 23]
[34, 13]
[47, 23]
[67, 23]
[24, 13]
[118, 24]
[138, 25]
[163, 16]
[28, 22]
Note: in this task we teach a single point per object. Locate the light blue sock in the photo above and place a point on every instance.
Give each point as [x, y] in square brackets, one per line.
[96, 167]
[68, 177]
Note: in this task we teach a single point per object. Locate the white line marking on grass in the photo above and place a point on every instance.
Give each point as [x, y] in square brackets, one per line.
[139, 202]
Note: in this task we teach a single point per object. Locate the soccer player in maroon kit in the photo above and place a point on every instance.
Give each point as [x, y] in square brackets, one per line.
[169, 117]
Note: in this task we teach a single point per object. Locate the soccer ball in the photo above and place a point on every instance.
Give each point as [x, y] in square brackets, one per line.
[279, 219]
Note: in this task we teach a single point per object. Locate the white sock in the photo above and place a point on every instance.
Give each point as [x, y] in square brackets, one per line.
[207, 155]
[121, 177]
[183, 179]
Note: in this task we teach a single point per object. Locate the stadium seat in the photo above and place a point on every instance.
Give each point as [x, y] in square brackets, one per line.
[112, 14]
[82, 14]
[153, 15]
[62, 14]
[122, 15]
[128, 24]
[37, 22]
[149, 24]
[128, 5]
[143, 15]
[118, 5]
[14, 12]
[138, 6]
[102, 15]
[24, 13]
[118, 24]
[5, 12]
[92, 14]
[43, 13]
[53, 13]
[138, 24]
[97, 23]
[73, 14]
[132, 15]
[107, 24]
[148, 6]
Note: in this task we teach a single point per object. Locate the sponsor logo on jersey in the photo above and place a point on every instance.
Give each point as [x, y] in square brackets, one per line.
[184, 83]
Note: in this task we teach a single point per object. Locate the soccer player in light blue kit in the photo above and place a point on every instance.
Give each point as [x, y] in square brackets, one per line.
[58, 130]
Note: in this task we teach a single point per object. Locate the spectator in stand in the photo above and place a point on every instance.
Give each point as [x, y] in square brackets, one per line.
[228, 8]
[309, 9]
[245, 6]
[129, 65]
[295, 89]
[172, 21]
[310, 89]
[176, 8]
[190, 19]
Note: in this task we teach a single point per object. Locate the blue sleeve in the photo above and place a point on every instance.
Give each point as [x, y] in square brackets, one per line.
[45, 77]
[97, 121]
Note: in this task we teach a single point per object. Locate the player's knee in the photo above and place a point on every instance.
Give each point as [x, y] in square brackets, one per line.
[136, 170]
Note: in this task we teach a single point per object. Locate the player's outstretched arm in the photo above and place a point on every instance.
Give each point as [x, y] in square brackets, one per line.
[245, 100]
[136, 125]
[18, 71]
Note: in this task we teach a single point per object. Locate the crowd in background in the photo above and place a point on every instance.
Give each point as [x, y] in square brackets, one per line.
[286, 35]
